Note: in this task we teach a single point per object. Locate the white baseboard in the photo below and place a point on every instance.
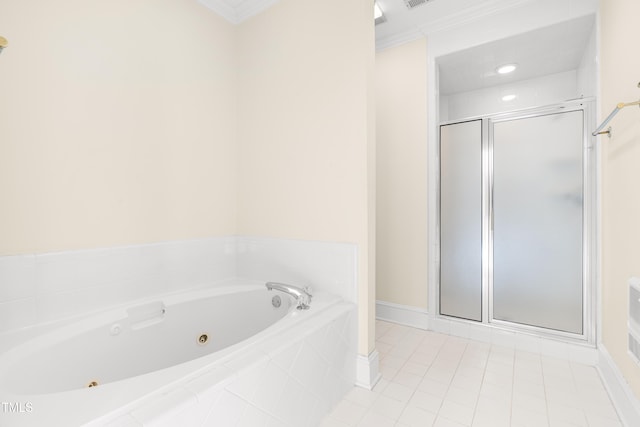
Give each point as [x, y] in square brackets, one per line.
[403, 314]
[368, 370]
[621, 394]
[419, 318]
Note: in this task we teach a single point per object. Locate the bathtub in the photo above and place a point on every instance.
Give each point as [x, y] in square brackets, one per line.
[229, 355]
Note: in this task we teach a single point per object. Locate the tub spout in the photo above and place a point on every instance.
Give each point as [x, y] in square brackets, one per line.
[302, 296]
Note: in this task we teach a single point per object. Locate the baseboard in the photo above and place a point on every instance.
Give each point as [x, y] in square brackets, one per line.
[368, 370]
[403, 314]
[621, 394]
[418, 318]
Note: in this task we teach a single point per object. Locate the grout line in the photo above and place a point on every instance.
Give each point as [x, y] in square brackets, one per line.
[462, 347]
[484, 371]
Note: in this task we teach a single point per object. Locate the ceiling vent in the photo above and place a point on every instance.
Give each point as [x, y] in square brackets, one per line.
[414, 3]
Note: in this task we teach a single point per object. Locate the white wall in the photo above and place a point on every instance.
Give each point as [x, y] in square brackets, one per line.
[537, 92]
[587, 73]
[118, 124]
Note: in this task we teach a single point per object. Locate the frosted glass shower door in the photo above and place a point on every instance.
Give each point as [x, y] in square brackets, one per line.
[538, 221]
[461, 220]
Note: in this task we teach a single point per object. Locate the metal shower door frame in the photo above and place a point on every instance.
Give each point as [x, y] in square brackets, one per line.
[589, 221]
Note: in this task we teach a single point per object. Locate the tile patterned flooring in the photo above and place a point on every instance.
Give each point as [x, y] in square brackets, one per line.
[431, 379]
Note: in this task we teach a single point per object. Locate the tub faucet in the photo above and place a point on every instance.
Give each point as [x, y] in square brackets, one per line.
[302, 296]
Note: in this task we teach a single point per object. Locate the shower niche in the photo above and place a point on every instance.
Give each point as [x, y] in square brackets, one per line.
[516, 184]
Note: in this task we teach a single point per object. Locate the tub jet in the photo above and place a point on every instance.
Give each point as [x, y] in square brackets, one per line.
[276, 301]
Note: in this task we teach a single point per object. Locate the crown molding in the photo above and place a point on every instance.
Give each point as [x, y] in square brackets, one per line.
[240, 13]
[399, 39]
[449, 22]
[471, 14]
[222, 9]
[250, 8]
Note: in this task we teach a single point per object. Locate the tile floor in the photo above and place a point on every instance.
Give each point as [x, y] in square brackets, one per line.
[431, 379]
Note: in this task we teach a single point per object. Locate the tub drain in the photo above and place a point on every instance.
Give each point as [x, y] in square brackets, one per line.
[202, 339]
[93, 384]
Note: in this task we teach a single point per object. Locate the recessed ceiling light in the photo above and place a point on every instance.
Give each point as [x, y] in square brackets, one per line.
[507, 68]
[508, 98]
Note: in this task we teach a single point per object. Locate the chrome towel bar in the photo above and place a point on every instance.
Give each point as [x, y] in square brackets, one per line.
[619, 107]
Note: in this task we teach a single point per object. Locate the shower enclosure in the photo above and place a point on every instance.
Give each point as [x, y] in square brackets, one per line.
[515, 219]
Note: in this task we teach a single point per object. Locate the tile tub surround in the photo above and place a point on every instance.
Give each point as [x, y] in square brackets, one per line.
[41, 288]
[330, 266]
[432, 379]
[291, 382]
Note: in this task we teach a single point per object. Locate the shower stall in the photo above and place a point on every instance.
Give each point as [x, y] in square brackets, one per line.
[516, 220]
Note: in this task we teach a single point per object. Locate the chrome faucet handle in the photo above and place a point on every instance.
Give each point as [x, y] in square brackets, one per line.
[303, 305]
[304, 300]
[302, 296]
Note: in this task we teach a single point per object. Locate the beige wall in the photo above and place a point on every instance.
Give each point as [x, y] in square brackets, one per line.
[130, 123]
[117, 124]
[619, 66]
[305, 133]
[401, 90]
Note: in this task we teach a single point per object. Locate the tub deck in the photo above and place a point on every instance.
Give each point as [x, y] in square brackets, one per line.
[310, 353]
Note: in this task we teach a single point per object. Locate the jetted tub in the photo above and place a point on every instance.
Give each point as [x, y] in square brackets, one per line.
[221, 356]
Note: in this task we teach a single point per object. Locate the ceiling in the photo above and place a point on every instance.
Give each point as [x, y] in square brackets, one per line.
[404, 24]
[538, 53]
[433, 13]
[541, 52]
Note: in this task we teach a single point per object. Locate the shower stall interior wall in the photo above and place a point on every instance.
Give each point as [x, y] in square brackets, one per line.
[515, 220]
